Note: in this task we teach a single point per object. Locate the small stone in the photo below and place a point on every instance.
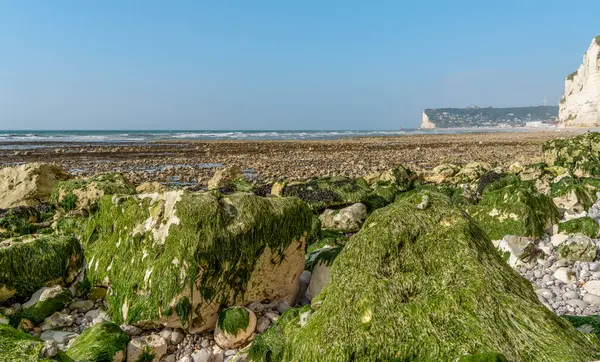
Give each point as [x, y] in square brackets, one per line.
[591, 299]
[166, 334]
[272, 316]
[548, 295]
[170, 358]
[564, 274]
[577, 303]
[203, 355]
[262, 324]
[283, 306]
[538, 274]
[131, 331]
[97, 293]
[205, 343]
[571, 295]
[50, 348]
[153, 343]
[81, 306]
[594, 267]
[186, 359]
[58, 320]
[177, 337]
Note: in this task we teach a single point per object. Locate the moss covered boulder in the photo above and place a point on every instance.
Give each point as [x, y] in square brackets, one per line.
[44, 302]
[84, 193]
[580, 154]
[235, 327]
[574, 194]
[31, 262]
[17, 346]
[328, 192]
[29, 184]
[23, 220]
[177, 258]
[513, 207]
[578, 248]
[102, 342]
[585, 225]
[424, 284]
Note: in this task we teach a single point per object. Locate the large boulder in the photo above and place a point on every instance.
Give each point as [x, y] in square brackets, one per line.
[580, 154]
[83, 194]
[513, 207]
[573, 194]
[22, 347]
[31, 262]
[426, 284]
[45, 302]
[176, 258]
[101, 342]
[28, 184]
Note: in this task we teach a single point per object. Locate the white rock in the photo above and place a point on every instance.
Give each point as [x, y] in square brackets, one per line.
[591, 299]
[547, 294]
[319, 280]
[348, 219]
[558, 239]
[515, 245]
[57, 320]
[58, 336]
[579, 303]
[203, 355]
[564, 274]
[154, 343]
[177, 337]
[186, 359]
[592, 287]
[131, 331]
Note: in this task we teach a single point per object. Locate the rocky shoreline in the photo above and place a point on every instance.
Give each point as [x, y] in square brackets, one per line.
[494, 259]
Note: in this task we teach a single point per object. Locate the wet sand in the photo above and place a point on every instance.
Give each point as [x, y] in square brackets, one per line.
[191, 162]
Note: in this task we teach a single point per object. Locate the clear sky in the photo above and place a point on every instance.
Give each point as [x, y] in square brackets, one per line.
[310, 64]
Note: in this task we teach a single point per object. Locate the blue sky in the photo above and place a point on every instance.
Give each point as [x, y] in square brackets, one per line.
[280, 64]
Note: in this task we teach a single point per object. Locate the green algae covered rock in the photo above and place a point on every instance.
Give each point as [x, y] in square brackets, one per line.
[585, 225]
[580, 154]
[102, 342]
[44, 302]
[399, 176]
[574, 194]
[23, 220]
[84, 193]
[17, 346]
[578, 248]
[176, 258]
[424, 284]
[328, 192]
[513, 207]
[31, 262]
[484, 357]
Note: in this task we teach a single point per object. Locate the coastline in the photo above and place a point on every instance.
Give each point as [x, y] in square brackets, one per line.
[195, 161]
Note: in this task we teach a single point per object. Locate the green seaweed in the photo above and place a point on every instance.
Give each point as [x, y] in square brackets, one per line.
[325, 255]
[484, 357]
[329, 192]
[42, 309]
[425, 284]
[510, 206]
[18, 346]
[585, 225]
[234, 319]
[99, 343]
[580, 154]
[50, 259]
[585, 324]
[584, 189]
[213, 247]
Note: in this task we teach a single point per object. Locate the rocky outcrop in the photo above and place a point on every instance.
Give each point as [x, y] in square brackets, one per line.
[580, 105]
[31, 262]
[82, 194]
[426, 123]
[422, 283]
[176, 258]
[29, 184]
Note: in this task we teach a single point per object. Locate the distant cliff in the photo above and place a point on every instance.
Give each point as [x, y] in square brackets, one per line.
[487, 117]
[580, 105]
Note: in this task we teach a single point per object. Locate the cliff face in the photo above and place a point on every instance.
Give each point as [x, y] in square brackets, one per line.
[427, 124]
[580, 106]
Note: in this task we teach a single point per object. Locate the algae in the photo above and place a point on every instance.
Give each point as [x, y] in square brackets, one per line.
[585, 225]
[329, 192]
[425, 285]
[49, 259]
[44, 308]
[579, 154]
[22, 347]
[234, 319]
[99, 343]
[206, 242]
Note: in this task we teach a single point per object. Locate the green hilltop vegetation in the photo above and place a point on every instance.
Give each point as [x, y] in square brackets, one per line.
[490, 117]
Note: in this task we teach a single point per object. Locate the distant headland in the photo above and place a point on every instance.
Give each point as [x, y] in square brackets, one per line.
[475, 117]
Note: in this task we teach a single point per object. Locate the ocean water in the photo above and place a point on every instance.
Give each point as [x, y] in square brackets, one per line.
[148, 136]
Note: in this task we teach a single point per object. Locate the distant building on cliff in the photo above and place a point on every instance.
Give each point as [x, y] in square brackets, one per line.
[475, 117]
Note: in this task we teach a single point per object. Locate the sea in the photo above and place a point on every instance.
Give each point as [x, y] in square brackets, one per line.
[119, 136]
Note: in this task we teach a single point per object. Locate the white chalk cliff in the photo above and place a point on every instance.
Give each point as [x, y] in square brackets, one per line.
[580, 105]
[427, 124]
